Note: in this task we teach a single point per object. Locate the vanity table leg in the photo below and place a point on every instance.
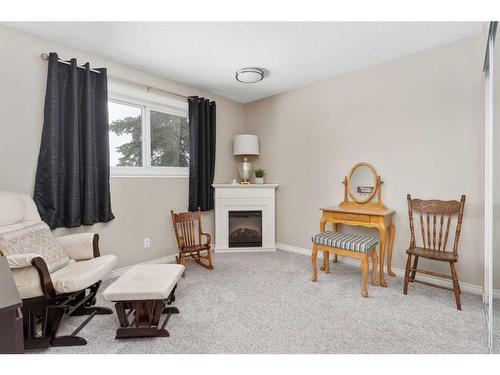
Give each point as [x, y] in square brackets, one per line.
[391, 246]
[382, 231]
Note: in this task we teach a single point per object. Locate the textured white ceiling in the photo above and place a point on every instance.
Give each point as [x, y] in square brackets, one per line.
[207, 54]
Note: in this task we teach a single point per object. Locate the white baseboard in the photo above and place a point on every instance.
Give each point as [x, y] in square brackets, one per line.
[120, 271]
[471, 288]
[244, 250]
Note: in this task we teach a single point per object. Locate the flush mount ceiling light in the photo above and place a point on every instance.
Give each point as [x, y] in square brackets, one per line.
[250, 75]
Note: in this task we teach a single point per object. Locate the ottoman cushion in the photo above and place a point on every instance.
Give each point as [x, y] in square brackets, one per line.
[145, 282]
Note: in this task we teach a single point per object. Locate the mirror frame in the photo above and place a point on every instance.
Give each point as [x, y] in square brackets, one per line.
[375, 182]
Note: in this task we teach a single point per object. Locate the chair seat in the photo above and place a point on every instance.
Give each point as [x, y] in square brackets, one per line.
[71, 278]
[346, 241]
[195, 248]
[80, 275]
[445, 256]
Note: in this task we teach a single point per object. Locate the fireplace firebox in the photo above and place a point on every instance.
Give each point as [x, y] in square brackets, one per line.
[245, 228]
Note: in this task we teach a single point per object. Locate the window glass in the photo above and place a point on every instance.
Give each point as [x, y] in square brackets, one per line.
[125, 135]
[169, 140]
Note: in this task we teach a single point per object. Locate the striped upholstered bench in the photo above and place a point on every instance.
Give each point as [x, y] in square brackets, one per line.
[351, 245]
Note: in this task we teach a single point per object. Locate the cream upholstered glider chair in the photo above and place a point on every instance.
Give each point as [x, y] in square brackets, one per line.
[48, 297]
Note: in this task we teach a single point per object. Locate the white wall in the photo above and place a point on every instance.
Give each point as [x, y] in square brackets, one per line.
[417, 119]
[141, 205]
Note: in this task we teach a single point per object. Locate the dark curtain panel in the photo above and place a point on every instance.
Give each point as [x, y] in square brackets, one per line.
[202, 153]
[72, 177]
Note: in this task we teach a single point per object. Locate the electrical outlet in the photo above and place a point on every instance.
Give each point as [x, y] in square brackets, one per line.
[147, 243]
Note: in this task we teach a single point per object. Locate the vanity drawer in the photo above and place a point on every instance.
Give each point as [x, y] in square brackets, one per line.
[351, 217]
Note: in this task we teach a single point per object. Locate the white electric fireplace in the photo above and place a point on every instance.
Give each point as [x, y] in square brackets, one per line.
[244, 217]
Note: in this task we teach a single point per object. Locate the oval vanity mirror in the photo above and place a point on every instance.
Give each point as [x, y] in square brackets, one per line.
[362, 182]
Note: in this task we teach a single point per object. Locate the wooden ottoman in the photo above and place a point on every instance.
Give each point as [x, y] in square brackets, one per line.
[140, 296]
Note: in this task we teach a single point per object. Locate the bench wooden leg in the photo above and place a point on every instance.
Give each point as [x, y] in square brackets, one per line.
[314, 257]
[364, 275]
[374, 267]
[326, 261]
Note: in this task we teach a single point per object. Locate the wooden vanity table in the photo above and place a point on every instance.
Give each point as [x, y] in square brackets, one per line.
[361, 185]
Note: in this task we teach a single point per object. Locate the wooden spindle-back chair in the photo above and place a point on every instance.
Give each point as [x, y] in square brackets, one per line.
[435, 219]
[188, 232]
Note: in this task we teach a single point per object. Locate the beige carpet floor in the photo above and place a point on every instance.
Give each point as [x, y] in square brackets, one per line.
[266, 303]
[496, 326]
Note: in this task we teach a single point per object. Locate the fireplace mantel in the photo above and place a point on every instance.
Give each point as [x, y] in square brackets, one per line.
[236, 197]
[243, 186]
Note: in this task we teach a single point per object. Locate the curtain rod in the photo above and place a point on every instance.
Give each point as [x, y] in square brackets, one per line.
[45, 56]
[491, 33]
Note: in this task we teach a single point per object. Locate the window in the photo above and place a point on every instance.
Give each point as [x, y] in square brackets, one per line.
[148, 138]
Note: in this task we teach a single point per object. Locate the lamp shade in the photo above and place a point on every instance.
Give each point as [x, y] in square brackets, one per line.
[246, 144]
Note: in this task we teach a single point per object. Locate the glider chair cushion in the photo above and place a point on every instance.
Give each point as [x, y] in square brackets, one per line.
[34, 239]
[80, 275]
[72, 278]
[17, 210]
[78, 246]
[27, 281]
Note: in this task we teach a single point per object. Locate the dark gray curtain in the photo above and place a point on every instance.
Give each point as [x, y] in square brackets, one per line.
[72, 177]
[202, 153]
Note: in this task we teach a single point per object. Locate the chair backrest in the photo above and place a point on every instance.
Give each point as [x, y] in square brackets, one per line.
[436, 217]
[187, 228]
[17, 210]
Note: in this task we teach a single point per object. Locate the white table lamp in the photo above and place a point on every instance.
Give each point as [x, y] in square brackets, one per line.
[245, 145]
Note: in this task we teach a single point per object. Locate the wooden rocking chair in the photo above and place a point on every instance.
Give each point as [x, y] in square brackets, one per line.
[187, 227]
[434, 240]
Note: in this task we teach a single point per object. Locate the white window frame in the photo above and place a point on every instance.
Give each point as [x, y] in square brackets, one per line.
[173, 107]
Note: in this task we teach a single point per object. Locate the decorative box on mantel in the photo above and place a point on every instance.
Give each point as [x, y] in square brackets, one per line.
[244, 217]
